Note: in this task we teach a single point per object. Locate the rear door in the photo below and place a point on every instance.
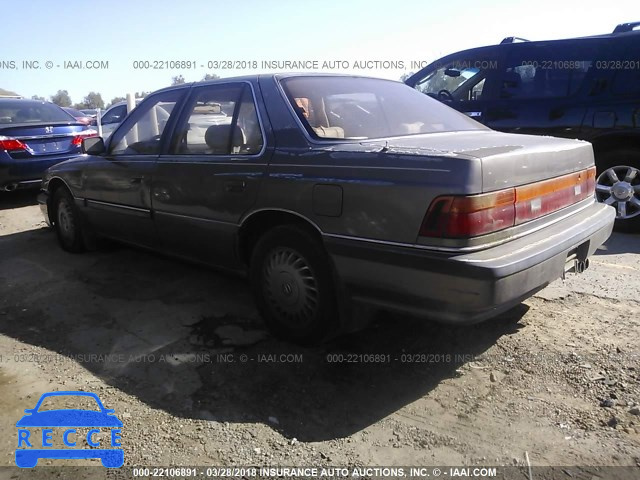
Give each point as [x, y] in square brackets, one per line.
[544, 88]
[117, 184]
[615, 105]
[211, 174]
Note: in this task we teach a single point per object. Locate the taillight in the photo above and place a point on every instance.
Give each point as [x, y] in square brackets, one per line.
[538, 199]
[474, 215]
[77, 139]
[469, 216]
[11, 144]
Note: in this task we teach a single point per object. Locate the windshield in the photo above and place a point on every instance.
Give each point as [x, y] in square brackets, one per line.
[19, 111]
[364, 108]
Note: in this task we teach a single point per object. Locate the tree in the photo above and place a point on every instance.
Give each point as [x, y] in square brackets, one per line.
[179, 80]
[115, 100]
[210, 76]
[61, 98]
[141, 94]
[93, 100]
[8, 93]
[39, 98]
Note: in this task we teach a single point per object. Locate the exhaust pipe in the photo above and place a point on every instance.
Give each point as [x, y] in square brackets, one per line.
[10, 187]
[582, 265]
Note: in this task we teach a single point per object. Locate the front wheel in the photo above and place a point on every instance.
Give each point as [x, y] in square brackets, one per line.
[293, 287]
[618, 185]
[68, 224]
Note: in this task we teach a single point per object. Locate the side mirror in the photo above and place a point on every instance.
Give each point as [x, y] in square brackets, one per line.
[93, 146]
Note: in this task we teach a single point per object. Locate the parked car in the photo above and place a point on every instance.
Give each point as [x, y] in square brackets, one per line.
[113, 116]
[79, 116]
[586, 88]
[333, 191]
[90, 112]
[33, 136]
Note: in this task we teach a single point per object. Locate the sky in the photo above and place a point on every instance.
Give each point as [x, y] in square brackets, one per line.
[123, 40]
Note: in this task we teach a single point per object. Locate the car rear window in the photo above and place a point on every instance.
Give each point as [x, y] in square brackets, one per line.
[17, 111]
[365, 108]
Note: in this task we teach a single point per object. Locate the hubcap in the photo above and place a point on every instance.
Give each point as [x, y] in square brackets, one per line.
[290, 286]
[620, 187]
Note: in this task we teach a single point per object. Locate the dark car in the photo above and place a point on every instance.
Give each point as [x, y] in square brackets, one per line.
[35, 135]
[333, 191]
[586, 88]
[79, 116]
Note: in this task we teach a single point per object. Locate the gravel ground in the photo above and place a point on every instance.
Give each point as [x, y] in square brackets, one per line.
[180, 353]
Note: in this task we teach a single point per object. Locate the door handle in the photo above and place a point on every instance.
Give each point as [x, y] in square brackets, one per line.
[136, 180]
[235, 186]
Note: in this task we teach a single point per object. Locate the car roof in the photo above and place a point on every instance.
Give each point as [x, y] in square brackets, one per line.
[261, 76]
[508, 43]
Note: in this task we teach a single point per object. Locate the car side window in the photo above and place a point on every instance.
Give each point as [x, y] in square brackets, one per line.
[626, 81]
[142, 131]
[458, 80]
[544, 73]
[219, 120]
[115, 115]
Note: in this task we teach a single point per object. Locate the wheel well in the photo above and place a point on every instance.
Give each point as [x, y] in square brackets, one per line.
[260, 222]
[54, 185]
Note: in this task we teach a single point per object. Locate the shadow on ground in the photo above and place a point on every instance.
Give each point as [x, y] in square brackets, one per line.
[620, 243]
[218, 363]
[18, 199]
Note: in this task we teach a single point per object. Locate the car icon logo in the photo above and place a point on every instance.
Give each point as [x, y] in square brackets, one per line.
[62, 428]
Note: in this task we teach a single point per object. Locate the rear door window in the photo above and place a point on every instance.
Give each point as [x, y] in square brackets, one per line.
[219, 120]
[626, 82]
[545, 72]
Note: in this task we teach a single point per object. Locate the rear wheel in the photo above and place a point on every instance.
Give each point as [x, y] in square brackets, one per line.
[618, 185]
[68, 224]
[292, 284]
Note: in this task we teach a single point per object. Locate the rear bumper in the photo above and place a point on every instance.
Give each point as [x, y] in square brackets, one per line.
[471, 287]
[27, 172]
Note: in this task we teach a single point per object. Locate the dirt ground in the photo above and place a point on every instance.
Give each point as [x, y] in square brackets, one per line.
[181, 355]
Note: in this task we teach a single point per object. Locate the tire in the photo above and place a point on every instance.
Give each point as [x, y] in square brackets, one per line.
[618, 172]
[293, 287]
[67, 222]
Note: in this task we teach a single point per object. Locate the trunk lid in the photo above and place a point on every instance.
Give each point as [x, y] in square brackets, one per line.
[508, 160]
[44, 139]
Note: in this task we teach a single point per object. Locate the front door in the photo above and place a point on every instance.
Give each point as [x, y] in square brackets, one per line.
[117, 187]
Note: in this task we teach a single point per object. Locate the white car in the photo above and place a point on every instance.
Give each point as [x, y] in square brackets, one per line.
[113, 116]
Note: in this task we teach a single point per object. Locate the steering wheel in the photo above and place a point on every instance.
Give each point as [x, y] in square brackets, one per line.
[445, 95]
